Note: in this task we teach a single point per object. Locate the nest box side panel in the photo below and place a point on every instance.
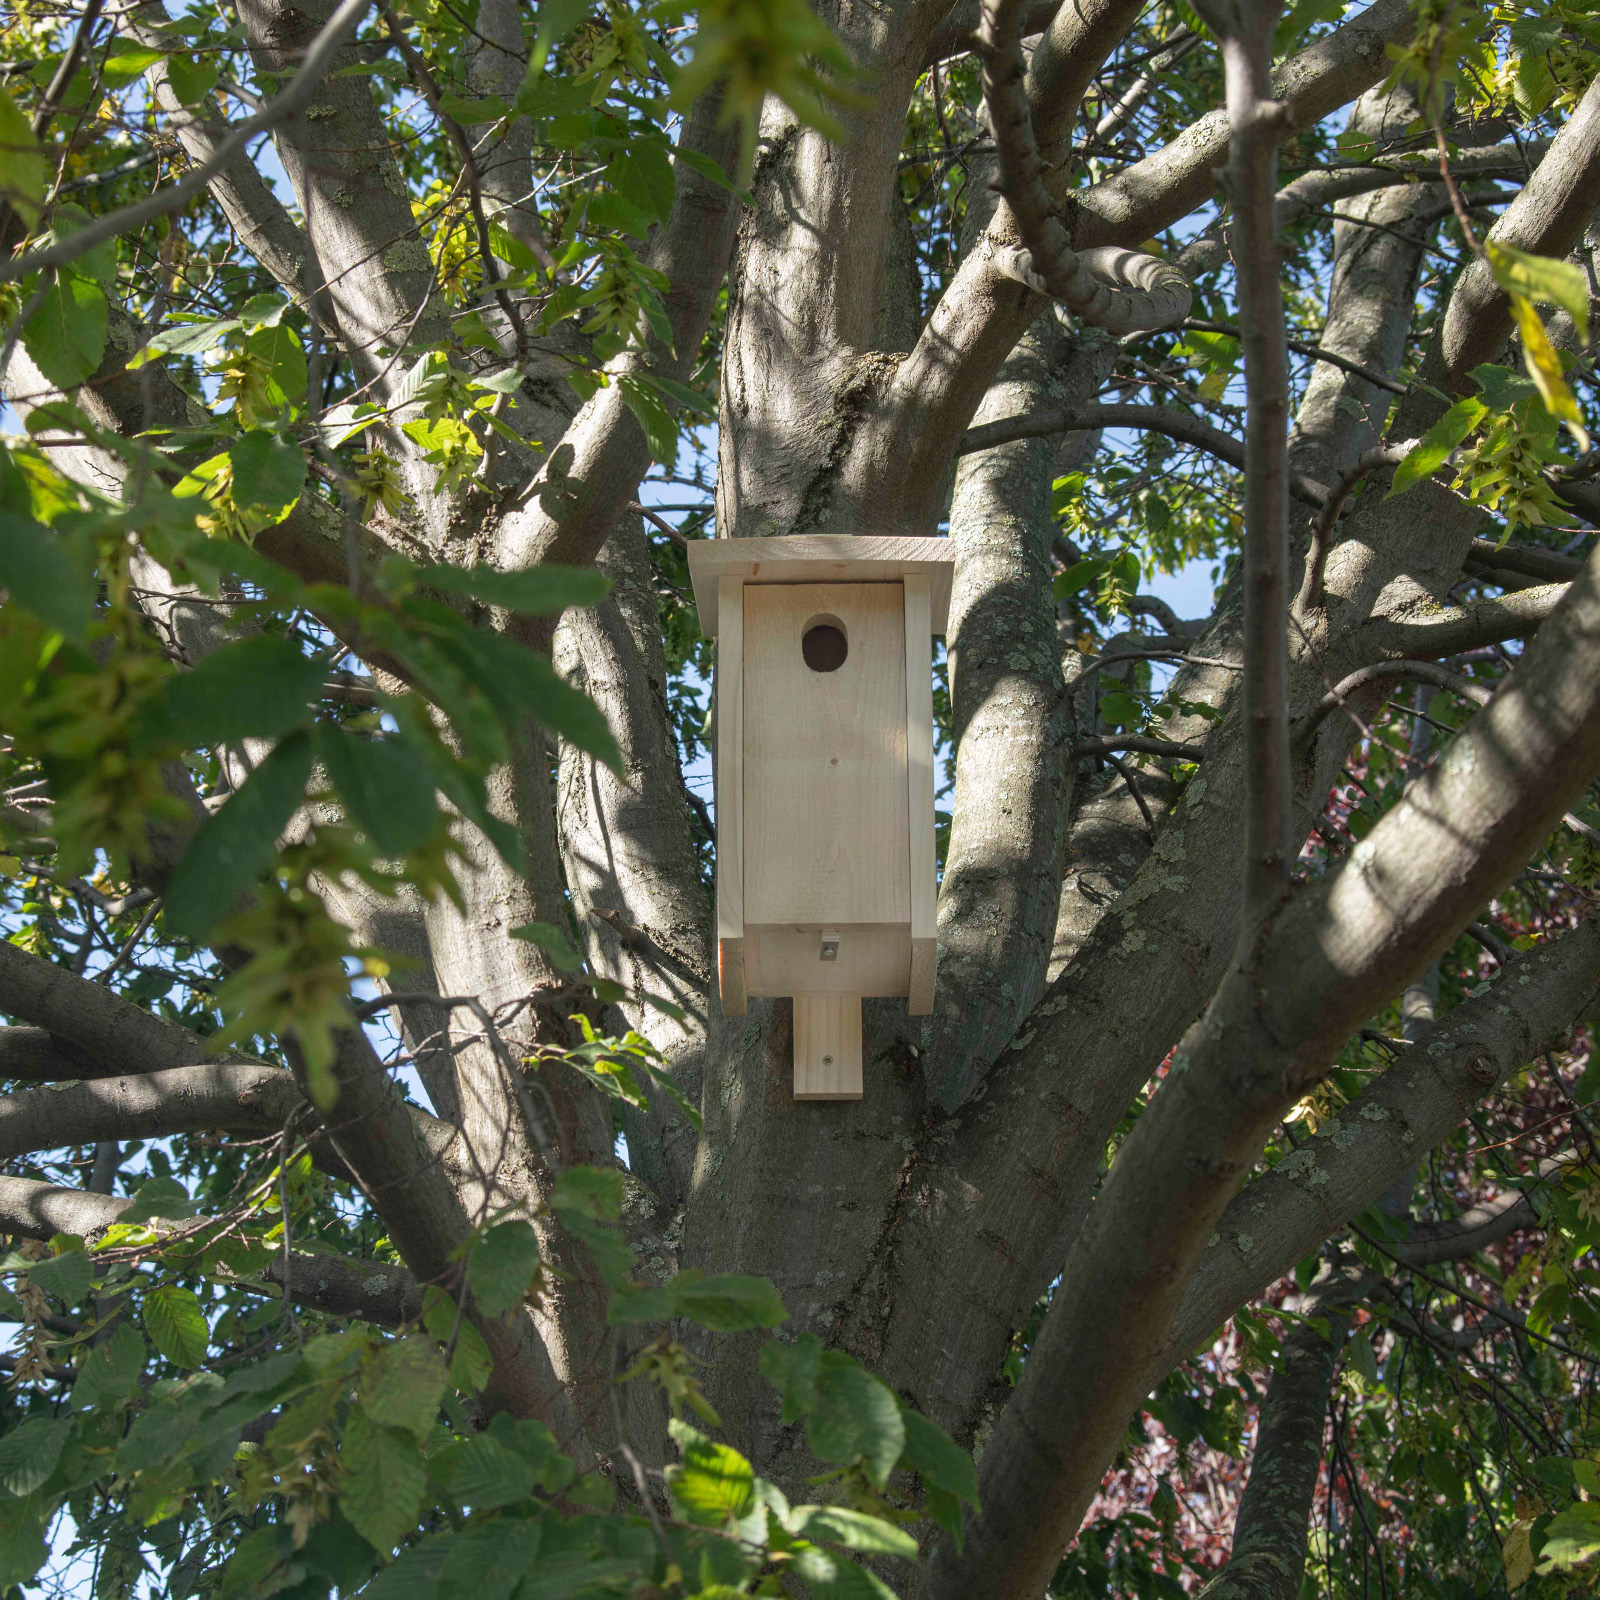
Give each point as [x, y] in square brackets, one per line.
[730, 798]
[919, 754]
[826, 826]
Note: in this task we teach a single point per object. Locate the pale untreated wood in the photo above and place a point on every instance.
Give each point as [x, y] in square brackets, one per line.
[819, 558]
[730, 799]
[827, 1047]
[784, 960]
[919, 772]
[826, 830]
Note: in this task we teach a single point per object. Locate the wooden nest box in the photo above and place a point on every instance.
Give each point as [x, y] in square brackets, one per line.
[824, 763]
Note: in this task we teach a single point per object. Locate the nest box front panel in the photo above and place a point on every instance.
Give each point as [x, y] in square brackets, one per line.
[826, 825]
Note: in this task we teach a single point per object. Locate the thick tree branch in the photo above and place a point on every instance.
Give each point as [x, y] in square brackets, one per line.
[224, 1098]
[592, 474]
[1530, 1004]
[1335, 950]
[1117, 290]
[1268, 1557]
[1452, 629]
[335, 1284]
[1548, 216]
[106, 1027]
[1383, 455]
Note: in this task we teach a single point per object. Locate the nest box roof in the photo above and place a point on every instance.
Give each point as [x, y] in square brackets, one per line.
[819, 558]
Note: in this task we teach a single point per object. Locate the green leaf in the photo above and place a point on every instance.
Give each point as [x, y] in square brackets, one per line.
[660, 426]
[385, 784]
[1572, 1537]
[1077, 578]
[1502, 388]
[595, 1192]
[66, 335]
[110, 1374]
[937, 1458]
[414, 1573]
[258, 688]
[176, 1324]
[855, 1418]
[535, 591]
[37, 573]
[839, 1525]
[1121, 710]
[240, 842]
[1434, 448]
[639, 1302]
[279, 346]
[502, 1265]
[641, 172]
[22, 168]
[263, 1564]
[1543, 279]
[714, 1484]
[832, 1577]
[1544, 367]
[98, 261]
[487, 1563]
[792, 1370]
[381, 1482]
[66, 1276]
[482, 1473]
[470, 1364]
[189, 337]
[268, 473]
[125, 61]
[1362, 1357]
[519, 683]
[552, 941]
[29, 1452]
[191, 80]
[401, 1386]
[726, 1302]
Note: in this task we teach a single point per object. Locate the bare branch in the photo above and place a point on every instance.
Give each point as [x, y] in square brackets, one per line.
[1549, 216]
[1393, 672]
[1256, 124]
[105, 1026]
[1138, 744]
[1116, 289]
[1167, 420]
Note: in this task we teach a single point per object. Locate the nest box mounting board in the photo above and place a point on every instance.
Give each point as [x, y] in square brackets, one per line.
[824, 759]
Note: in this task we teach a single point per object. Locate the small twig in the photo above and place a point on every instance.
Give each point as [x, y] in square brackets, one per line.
[1138, 744]
[1126, 773]
[1315, 351]
[659, 522]
[307, 79]
[1491, 941]
[109, 970]
[67, 71]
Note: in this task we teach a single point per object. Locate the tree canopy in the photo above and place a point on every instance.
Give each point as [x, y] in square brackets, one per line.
[389, 1207]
